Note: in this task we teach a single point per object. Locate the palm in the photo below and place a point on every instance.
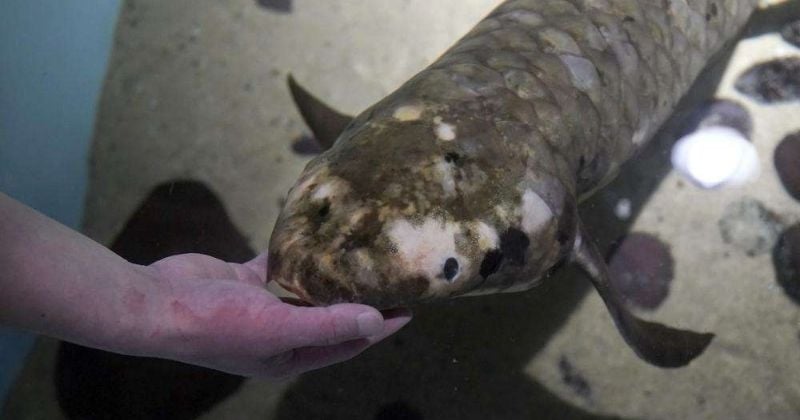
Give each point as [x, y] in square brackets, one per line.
[221, 316]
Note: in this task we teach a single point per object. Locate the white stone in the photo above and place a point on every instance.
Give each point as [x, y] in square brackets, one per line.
[716, 156]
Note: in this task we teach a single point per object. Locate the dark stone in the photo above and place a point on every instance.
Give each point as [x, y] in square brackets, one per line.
[514, 245]
[282, 6]
[791, 33]
[786, 258]
[177, 217]
[724, 113]
[491, 263]
[787, 164]
[641, 270]
[773, 81]
[573, 379]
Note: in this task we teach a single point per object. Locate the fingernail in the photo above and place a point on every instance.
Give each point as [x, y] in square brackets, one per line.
[369, 323]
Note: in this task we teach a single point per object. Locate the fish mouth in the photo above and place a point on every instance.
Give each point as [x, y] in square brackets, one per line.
[301, 272]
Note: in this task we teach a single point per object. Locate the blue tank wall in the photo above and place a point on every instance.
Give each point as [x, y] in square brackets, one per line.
[53, 56]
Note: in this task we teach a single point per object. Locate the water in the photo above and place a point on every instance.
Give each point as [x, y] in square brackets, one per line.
[196, 90]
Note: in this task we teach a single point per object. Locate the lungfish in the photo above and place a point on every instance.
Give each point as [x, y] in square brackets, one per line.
[466, 179]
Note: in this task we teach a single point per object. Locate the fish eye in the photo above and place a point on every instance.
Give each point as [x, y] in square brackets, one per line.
[450, 269]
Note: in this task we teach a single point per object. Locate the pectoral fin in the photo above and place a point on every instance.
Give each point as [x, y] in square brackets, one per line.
[655, 343]
[325, 122]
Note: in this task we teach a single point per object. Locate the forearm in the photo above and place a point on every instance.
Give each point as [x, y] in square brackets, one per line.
[57, 282]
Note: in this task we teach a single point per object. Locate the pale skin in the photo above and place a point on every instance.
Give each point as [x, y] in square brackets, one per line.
[190, 308]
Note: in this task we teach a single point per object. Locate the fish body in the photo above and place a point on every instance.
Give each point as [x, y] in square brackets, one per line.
[466, 179]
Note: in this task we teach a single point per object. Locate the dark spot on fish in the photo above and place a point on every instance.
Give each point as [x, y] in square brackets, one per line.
[787, 164]
[306, 145]
[773, 81]
[282, 6]
[628, 19]
[452, 157]
[791, 33]
[398, 410]
[641, 269]
[514, 245]
[573, 379]
[318, 213]
[324, 211]
[450, 269]
[491, 263]
[712, 11]
[786, 258]
[748, 225]
[721, 112]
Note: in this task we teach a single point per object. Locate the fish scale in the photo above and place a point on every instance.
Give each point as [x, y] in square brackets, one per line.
[466, 179]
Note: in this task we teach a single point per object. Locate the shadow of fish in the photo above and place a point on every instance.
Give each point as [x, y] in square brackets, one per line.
[466, 179]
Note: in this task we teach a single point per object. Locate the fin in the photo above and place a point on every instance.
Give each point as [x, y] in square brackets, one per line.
[655, 343]
[325, 122]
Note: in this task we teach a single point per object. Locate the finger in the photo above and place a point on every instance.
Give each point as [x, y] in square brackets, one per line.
[258, 265]
[305, 359]
[310, 358]
[303, 326]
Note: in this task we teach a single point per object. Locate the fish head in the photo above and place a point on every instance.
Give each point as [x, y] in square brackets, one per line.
[393, 215]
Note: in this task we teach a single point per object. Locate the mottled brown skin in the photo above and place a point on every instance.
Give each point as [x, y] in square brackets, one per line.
[466, 179]
[548, 97]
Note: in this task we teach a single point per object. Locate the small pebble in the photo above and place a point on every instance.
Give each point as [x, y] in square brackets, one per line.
[786, 257]
[773, 81]
[641, 268]
[787, 164]
[722, 113]
[748, 225]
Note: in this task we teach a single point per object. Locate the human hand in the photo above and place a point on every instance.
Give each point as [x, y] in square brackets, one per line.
[219, 315]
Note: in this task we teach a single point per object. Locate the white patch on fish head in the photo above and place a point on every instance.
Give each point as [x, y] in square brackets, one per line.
[444, 131]
[426, 248]
[300, 189]
[324, 191]
[487, 236]
[407, 113]
[536, 214]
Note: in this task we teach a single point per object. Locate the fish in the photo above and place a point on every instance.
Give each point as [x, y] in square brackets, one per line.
[466, 180]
